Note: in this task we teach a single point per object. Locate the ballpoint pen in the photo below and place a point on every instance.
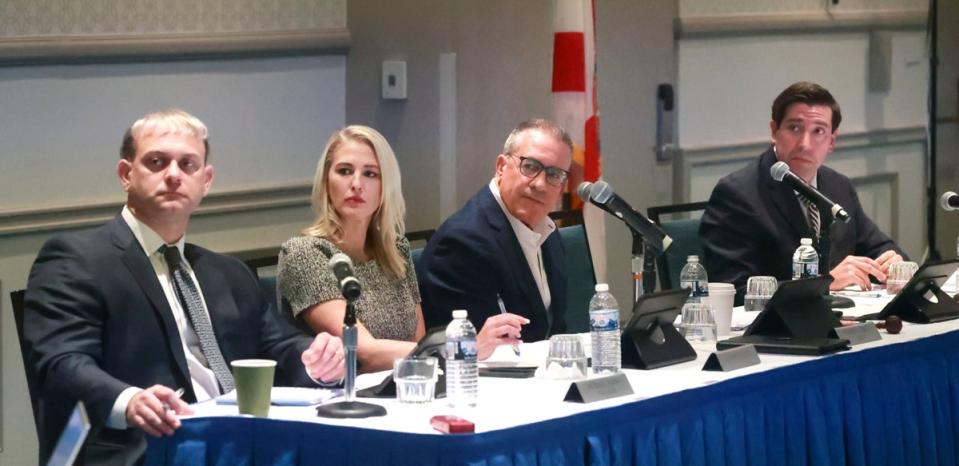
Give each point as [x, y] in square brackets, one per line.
[502, 310]
[178, 393]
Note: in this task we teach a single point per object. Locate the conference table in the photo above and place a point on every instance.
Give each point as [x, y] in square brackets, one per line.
[888, 402]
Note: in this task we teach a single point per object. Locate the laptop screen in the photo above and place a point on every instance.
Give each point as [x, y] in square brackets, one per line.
[71, 440]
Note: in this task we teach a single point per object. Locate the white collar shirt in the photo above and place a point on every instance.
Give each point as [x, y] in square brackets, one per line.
[204, 381]
[531, 242]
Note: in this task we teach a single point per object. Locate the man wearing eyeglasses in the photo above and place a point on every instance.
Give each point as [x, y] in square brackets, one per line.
[502, 244]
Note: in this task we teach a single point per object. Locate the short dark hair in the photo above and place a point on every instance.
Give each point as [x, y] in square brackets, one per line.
[805, 92]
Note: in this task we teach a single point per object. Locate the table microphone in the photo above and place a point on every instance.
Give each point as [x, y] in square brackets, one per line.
[583, 190]
[601, 194]
[780, 172]
[949, 201]
[342, 268]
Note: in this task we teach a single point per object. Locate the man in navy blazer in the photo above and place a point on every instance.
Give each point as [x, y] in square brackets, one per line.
[104, 323]
[753, 223]
[502, 244]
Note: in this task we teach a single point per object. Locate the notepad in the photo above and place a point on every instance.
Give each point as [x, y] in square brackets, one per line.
[289, 396]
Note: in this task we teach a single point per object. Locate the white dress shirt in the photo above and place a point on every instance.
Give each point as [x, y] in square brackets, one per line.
[531, 241]
[204, 381]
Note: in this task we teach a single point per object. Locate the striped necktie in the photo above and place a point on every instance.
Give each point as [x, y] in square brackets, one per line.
[812, 214]
[189, 296]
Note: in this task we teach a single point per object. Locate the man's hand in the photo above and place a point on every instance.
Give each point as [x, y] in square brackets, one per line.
[155, 410]
[501, 329]
[855, 270]
[324, 359]
[886, 259]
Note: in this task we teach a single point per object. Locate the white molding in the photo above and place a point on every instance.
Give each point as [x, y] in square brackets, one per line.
[754, 24]
[691, 157]
[890, 179]
[143, 46]
[81, 216]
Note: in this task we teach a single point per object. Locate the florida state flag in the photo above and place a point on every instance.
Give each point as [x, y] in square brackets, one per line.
[575, 109]
[574, 88]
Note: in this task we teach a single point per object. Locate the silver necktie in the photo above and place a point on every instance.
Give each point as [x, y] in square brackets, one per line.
[189, 297]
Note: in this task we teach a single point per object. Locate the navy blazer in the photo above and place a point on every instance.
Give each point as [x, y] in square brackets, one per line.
[474, 256]
[97, 321]
[753, 224]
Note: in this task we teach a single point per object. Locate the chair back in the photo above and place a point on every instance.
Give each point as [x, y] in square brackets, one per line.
[268, 288]
[415, 255]
[581, 280]
[16, 300]
[683, 228]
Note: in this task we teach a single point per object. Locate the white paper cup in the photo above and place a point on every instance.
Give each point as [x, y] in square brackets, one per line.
[720, 298]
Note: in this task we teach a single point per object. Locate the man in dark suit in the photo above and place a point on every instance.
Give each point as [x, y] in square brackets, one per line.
[120, 316]
[502, 243]
[753, 223]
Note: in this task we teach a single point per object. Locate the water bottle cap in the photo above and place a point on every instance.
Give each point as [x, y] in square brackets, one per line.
[459, 314]
[806, 241]
[601, 287]
[692, 258]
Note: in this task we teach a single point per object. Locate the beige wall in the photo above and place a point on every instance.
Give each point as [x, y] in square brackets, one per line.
[502, 52]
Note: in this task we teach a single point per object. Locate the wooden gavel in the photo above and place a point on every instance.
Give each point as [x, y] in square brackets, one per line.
[892, 324]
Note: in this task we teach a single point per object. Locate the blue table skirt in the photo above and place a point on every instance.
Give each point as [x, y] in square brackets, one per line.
[893, 405]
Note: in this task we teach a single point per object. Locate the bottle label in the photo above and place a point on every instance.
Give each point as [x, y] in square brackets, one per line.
[461, 350]
[604, 320]
[698, 289]
[805, 269]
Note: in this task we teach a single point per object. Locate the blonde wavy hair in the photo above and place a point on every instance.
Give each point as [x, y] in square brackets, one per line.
[388, 221]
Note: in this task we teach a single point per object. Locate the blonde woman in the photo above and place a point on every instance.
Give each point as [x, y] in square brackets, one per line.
[359, 205]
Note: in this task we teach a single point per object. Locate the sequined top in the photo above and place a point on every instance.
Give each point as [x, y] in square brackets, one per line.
[387, 306]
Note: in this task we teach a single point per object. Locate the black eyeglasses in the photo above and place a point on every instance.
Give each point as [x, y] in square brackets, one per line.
[531, 168]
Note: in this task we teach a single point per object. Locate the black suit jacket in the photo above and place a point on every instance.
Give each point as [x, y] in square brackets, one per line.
[474, 256]
[753, 224]
[97, 322]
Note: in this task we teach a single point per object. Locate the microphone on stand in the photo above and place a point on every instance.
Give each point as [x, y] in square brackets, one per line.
[583, 190]
[949, 201]
[601, 194]
[342, 268]
[649, 241]
[780, 172]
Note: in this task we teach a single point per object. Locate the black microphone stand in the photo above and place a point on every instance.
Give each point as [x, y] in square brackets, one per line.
[350, 408]
[644, 276]
[825, 243]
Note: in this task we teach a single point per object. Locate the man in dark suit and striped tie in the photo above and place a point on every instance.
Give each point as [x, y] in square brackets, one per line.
[753, 223]
[121, 316]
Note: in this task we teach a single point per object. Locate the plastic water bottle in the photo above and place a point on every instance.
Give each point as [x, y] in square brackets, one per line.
[462, 375]
[693, 276]
[604, 331]
[805, 260]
